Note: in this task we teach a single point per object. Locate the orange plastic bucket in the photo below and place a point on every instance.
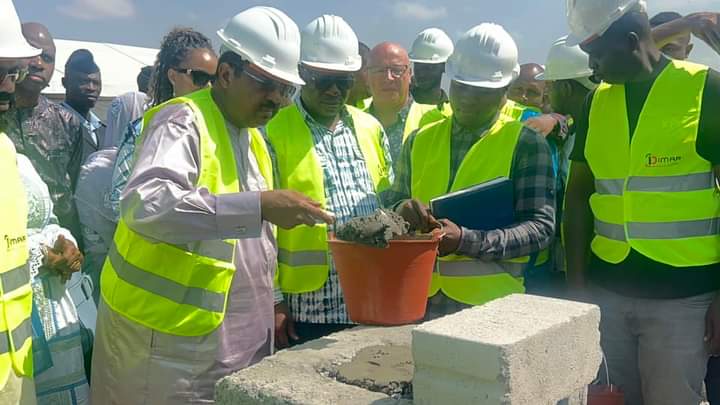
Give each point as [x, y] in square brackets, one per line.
[385, 286]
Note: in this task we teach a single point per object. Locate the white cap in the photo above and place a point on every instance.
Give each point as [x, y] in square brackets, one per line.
[13, 44]
[432, 45]
[485, 56]
[591, 18]
[268, 38]
[329, 43]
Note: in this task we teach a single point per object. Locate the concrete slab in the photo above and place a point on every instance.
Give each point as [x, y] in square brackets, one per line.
[520, 349]
[293, 377]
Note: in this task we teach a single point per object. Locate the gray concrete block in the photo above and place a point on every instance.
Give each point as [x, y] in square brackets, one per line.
[292, 377]
[520, 349]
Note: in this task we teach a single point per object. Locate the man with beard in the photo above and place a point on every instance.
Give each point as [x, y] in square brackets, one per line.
[83, 85]
[187, 289]
[336, 154]
[48, 134]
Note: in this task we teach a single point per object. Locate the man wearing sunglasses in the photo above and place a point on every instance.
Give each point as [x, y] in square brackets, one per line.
[470, 147]
[16, 384]
[336, 154]
[187, 289]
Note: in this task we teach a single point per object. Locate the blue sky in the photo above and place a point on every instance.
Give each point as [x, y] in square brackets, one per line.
[534, 24]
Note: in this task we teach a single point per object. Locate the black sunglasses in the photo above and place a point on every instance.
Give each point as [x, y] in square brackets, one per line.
[15, 75]
[323, 82]
[200, 78]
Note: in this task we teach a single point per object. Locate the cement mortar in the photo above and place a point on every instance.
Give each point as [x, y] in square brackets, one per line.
[375, 230]
[295, 376]
[387, 369]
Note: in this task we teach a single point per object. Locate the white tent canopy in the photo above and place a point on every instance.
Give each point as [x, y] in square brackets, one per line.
[119, 65]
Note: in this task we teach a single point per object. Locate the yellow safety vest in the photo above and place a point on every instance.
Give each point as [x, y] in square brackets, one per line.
[511, 111]
[416, 116]
[182, 290]
[364, 104]
[653, 193]
[15, 291]
[465, 279]
[303, 251]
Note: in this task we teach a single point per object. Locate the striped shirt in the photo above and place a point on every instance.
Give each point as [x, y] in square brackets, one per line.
[349, 193]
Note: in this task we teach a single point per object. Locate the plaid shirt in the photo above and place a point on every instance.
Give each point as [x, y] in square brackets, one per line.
[349, 192]
[534, 185]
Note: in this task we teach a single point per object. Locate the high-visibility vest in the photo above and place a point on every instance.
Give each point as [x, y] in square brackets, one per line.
[653, 193]
[511, 111]
[465, 279]
[363, 104]
[182, 289]
[417, 112]
[514, 111]
[15, 291]
[303, 251]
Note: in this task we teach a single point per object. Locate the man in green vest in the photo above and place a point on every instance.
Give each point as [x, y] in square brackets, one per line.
[336, 154]
[187, 288]
[16, 367]
[642, 219]
[472, 146]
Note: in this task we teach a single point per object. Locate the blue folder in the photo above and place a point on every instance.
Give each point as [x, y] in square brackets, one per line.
[483, 207]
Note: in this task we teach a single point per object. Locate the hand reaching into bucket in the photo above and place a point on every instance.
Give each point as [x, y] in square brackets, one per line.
[288, 209]
[418, 216]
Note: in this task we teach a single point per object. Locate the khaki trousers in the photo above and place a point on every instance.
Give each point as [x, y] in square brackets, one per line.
[18, 391]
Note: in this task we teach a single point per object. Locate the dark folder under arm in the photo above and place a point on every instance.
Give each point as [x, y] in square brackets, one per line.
[484, 207]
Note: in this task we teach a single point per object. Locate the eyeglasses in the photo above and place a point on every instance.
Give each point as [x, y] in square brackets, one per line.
[15, 76]
[200, 78]
[269, 85]
[395, 71]
[323, 82]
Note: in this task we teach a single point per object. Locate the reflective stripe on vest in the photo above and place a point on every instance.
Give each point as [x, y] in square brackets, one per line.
[303, 251]
[303, 257]
[182, 289]
[18, 335]
[14, 279]
[654, 193]
[463, 278]
[163, 287]
[478, 268]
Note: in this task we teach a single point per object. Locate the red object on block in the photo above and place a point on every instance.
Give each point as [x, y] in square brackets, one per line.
[605, 395]
[385, 286]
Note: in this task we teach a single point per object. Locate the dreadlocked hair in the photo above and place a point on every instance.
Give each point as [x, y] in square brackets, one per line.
[174, 48]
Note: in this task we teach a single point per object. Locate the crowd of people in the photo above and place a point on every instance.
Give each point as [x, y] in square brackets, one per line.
[185, 237]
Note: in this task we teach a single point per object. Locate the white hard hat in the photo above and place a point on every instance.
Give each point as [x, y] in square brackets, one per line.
[268, 38]
[591, 18]
[329, 43]
[485, 56]
[432, 45]
[12, 42]
[565, 62]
